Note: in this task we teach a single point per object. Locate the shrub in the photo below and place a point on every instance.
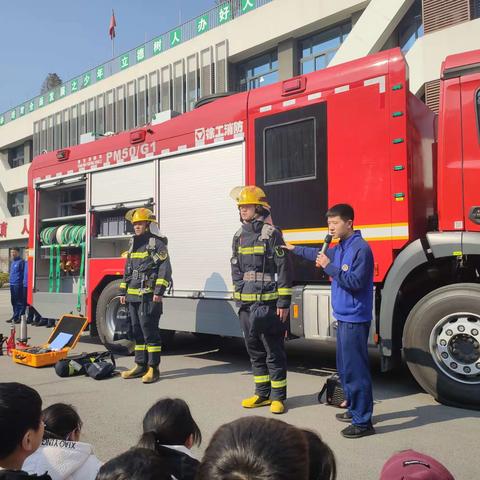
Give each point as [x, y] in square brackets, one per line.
[3, 278]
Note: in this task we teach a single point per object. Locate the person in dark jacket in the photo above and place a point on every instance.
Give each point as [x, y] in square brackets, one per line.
[262, 278]
[170, 430]
[134, 464]
[146, 278]
[21, 429]
[350, 265]
[16, 284]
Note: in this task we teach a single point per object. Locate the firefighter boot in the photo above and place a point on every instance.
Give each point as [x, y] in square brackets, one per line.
[136, 372]
[255, 402]
[277, 406]
[152, 375]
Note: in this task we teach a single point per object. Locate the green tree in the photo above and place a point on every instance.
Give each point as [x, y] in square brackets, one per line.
[52, 81]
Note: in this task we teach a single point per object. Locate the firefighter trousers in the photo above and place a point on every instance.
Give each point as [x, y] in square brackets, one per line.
[268, 359]
[148, 345]
[16, 298]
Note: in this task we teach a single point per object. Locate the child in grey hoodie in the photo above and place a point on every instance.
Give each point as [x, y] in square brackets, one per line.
[61, 453]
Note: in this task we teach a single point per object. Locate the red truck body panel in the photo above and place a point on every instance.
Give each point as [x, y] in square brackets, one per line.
[379, 151]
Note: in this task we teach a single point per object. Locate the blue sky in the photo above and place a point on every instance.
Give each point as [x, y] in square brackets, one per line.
[68, 38]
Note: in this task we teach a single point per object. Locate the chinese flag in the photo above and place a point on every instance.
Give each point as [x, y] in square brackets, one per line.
[113, 24]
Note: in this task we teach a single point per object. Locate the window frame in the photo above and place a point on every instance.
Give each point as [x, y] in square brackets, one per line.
[340, 27]
[296, 179]
[248, 81]
[411, 22]
[14, 162]
[14, 206]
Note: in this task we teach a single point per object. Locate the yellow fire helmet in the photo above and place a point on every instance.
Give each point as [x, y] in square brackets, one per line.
[250, 195]
[140, 215]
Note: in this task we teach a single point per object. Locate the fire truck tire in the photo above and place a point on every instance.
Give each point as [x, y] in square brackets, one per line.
[107, 307]
[441, 344]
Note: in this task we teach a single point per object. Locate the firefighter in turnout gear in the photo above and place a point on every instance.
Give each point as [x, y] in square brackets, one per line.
[261, 273]
[147, 275]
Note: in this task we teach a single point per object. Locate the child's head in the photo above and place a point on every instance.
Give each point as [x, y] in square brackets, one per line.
[169, 422]
[340, 219]
[256, 448]
[62, 422]
[135, 464]
[410, 464]
[21, 426]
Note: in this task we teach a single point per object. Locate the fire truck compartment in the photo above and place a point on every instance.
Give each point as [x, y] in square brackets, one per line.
[194, 187]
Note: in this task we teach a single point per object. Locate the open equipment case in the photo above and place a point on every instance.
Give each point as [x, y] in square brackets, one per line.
[42, 356]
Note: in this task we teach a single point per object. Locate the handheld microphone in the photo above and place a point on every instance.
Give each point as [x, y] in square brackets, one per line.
[326, 243]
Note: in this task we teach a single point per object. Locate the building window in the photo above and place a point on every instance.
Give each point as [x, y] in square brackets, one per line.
[317, 51]
[17, 203]
[411, 27]
[258, 71]
[474, 9]
[290, 152]
[16, 156]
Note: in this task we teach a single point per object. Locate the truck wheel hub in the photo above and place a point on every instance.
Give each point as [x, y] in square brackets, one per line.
[455, 346]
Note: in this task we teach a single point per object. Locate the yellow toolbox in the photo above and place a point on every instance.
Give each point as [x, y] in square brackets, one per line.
[43, 356]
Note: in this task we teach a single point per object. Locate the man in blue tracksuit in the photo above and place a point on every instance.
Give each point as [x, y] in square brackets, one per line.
[16, 284]
[350, 265]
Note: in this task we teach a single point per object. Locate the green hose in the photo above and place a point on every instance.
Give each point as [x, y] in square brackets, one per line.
[80, 280]
[70, 235]
[57, 271]
[50, 273]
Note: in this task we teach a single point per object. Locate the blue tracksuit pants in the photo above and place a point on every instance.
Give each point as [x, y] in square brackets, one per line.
[16, 297]
[354, 370]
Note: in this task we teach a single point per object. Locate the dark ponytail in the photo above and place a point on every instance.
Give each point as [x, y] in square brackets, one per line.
[168, 422]
[60, 420]
[148, 440]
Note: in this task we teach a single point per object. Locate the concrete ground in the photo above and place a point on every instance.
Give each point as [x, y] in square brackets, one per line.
[214, 380]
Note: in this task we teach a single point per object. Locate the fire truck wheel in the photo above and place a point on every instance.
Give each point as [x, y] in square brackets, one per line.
[107, 308]
[441, 343]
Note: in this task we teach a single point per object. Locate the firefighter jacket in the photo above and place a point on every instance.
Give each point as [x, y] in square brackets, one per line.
[148, 270]
[257, 255]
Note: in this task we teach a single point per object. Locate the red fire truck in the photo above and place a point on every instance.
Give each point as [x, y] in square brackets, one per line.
[353, 134]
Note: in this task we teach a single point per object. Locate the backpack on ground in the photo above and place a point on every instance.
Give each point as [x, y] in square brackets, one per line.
[334, 391]
[75, 365]
[102, 367]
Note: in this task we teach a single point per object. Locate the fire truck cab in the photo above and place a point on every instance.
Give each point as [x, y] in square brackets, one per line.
[352, 133]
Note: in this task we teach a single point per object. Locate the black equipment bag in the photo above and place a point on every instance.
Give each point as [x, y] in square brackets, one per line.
[123, 324]
[75, 365]
[334, 391]
[102, 367]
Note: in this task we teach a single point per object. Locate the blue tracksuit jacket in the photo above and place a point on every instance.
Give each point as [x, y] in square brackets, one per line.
[351, 269]
[16, 271]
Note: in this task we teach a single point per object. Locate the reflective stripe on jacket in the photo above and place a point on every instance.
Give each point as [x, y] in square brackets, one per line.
[249, 254]
[148, 270]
